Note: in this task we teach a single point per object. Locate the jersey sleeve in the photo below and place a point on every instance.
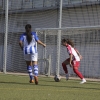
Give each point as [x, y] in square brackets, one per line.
[69, 50]
[36, 37]
[21, 38]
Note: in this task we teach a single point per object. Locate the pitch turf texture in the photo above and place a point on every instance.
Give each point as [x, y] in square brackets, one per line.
[13, 87]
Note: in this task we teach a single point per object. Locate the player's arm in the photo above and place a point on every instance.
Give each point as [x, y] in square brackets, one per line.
[38, 41]
[70, 57]
[21, 44]
[78, 54]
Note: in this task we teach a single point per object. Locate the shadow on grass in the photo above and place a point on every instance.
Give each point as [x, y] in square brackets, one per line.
[16, 83]
[71, 87]
[50, 85]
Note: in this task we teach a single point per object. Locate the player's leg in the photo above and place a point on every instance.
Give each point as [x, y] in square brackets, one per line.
[64, 65]
[29, 67]
[76, 65]
[34, 58]
[35, 67]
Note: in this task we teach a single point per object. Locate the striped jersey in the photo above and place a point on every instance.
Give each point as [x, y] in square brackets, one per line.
[29, 48]
[72, 51]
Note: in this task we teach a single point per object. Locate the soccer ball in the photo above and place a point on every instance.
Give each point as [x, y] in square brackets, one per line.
[57, 78]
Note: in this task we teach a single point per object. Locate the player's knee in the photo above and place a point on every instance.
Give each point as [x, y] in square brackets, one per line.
[35, 70]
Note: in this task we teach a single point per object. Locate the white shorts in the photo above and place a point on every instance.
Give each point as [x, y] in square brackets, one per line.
[31, 57]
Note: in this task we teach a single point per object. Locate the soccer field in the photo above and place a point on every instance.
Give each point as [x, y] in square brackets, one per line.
[13, 87]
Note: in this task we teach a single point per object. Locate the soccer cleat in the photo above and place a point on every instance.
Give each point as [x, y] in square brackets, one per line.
[67, 76]
[36, 80]
[31, 81]
[83, 81]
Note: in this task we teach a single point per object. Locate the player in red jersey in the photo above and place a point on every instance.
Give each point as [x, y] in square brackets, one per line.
[73, 60]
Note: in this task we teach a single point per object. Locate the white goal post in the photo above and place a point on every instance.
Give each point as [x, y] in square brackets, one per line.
[86, 40]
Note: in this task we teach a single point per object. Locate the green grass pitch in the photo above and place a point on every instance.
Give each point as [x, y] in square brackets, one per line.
[14, 87]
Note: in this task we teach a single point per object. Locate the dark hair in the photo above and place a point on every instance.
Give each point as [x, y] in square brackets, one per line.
[64, 40]
[28, 33]
[69, 41]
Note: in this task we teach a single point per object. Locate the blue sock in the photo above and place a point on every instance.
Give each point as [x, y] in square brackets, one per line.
[35, 70]
[29, 69]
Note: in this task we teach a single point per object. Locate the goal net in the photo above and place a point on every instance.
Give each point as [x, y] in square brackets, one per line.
[86, 40]
[47, 14]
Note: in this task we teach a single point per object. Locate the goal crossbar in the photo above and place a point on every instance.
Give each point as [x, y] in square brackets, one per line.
[70, 28]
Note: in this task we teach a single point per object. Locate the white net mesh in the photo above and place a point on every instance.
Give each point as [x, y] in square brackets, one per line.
[20, 14]
[15, 58]
[86, 40]
[81, 13]
[45, 14]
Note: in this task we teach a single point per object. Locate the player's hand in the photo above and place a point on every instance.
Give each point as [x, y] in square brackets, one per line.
[71, 65]
[44, 45]
[81, 57]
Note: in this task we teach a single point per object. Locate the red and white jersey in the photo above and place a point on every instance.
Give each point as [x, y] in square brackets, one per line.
[72, 51]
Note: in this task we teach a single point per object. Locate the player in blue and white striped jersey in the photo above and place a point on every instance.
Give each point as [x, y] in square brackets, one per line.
[28, 45]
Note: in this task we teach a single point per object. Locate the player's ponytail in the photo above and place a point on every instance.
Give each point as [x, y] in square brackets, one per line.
[28, 33]
[70, 42]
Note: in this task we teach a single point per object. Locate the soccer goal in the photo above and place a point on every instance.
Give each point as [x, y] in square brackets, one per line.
[86, 40]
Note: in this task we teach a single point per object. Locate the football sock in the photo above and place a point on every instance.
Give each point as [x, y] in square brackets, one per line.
[29, 69]
[35, 70]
